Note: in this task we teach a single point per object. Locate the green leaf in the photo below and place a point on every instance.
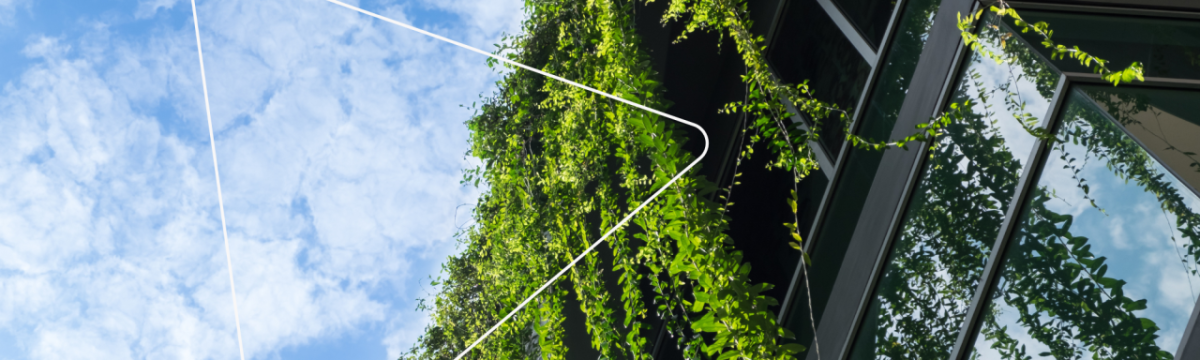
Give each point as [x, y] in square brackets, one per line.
[793, 348]
[1110, 282]
[1136, 305]
[1148, 324]
[707, 324]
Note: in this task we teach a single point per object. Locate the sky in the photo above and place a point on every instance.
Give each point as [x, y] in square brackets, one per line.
[341, 145]
[1139, 241]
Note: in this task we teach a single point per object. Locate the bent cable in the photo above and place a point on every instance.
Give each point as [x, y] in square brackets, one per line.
[578, 85]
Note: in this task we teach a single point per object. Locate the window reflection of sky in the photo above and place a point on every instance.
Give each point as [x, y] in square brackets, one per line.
[956, 214]
[1133, 232]
[1015, 78]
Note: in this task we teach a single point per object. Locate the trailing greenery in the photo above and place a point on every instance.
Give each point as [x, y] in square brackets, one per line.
[561, 164]
[1058, 51]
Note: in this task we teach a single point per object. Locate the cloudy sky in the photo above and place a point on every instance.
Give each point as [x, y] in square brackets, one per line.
[341, 144]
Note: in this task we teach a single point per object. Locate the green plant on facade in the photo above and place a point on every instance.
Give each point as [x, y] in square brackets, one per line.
[561, 164]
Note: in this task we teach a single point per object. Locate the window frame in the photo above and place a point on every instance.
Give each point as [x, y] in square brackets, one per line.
[937, 68]
[827, 159]
[832, 164]
[1189, 343]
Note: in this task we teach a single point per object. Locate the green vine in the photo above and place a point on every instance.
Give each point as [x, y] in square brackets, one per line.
[561, 163]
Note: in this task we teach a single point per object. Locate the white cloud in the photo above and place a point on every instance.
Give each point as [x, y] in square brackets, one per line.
[147, 8]
[357, 120]
[489, 16]
[44, 47]
[341, 144]
[105, 219]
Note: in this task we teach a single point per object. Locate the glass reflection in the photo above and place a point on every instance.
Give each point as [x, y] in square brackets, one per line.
[1165, 47]
[955, 214]
[881, 111]
[1103, 264]
[869, 16]
[1166, 122]
[809, 47]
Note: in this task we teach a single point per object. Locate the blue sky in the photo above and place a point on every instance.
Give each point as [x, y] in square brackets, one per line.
[341, 143]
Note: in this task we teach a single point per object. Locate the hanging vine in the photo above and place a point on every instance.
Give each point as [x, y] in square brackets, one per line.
[560, 164]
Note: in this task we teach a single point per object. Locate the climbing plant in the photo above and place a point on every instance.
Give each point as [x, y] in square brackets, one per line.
[561, 164]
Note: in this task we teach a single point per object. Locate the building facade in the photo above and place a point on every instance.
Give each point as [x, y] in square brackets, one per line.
[1057, 217]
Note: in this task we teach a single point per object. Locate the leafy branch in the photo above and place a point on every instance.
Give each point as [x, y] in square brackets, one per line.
[966, 24]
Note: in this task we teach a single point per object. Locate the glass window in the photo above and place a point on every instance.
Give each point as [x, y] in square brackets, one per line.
[869, 16]
[1165, 122]
[809, 47]
[955, 214]
[1103, 263]
[847, 203]
[1166, 47]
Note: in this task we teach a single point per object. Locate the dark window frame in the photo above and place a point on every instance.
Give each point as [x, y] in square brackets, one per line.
[864, 47]
[829, 161]
[911, 182]
[832, 166]
[939, 62]
[942, 58]
[1190, 343]
[967, 332]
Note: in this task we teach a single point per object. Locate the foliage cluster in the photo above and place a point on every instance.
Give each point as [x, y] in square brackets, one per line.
[1051, 281]
[561, 163]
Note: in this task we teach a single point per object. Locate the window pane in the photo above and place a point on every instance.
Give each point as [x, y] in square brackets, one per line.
[808, 46]
[847, 204]
[956, 211]
[1166, 122]
[1103, 263]
[1167, 48]
[869, 16]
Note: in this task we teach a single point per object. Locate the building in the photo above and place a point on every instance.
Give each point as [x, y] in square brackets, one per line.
[998, 243]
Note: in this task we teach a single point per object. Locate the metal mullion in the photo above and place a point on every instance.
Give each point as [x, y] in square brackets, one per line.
[818, 149]
[911, 182]
[1110, 9]
[850, 32]
[876, 68]
[910, 187]
[1021, 40]
[990, 277]
[843, 152]
[1124, 130]
[1191, 339]
[774, 28]
[1159, 82]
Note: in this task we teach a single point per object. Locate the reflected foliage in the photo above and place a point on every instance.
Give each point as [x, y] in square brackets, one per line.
[1165, 121]
[1056, 51]
[1167, 47]
[957, 209]
[561, 163]
[879, 119]
[1052, 279]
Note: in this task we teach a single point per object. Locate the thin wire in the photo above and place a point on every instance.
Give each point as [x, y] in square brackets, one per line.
[216, 170]
[575, 84]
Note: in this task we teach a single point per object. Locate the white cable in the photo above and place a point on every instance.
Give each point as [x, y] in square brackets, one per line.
[575, 84]
[237, 322]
